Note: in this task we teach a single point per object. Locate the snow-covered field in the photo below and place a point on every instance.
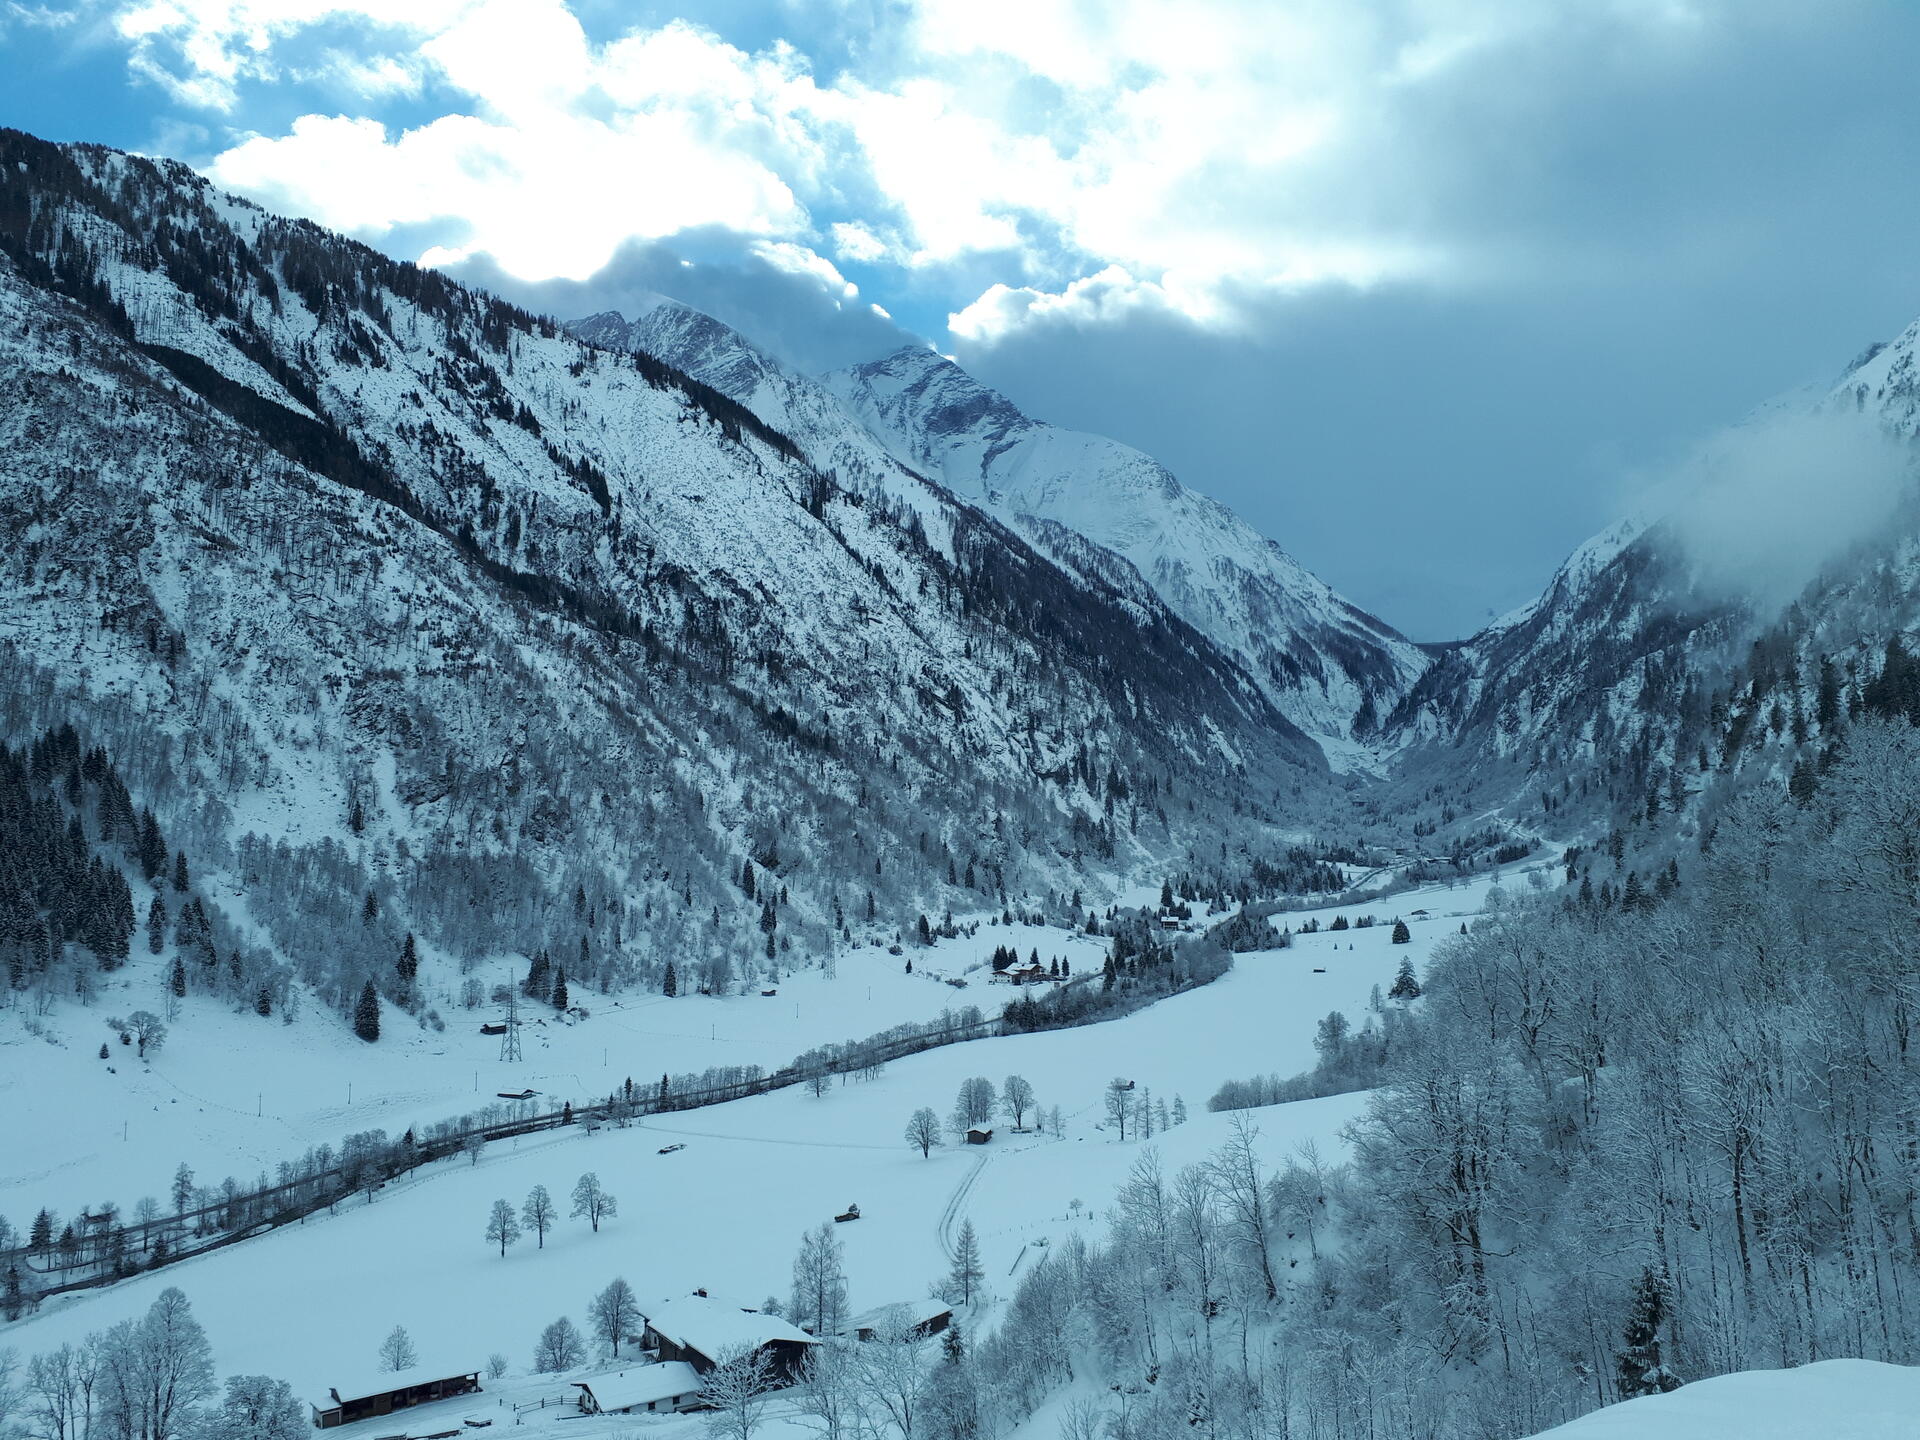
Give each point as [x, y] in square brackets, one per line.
[727, 1211]
[234, 1094]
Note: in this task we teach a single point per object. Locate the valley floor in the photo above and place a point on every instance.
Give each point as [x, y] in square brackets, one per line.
[232, 1094]
[727, 1211]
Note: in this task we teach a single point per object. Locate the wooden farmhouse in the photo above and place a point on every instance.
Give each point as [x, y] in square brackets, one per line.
[664, 1388]
[1028, 974]
[704, 1332]
[364, 1397]
[918, 1318]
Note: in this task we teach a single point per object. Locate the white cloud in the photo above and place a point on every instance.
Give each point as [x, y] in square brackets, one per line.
[799, 260]
[1112, 294]
[1102, 157]
[858, 243]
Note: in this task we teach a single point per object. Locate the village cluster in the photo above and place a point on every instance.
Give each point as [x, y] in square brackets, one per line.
[690, 1352]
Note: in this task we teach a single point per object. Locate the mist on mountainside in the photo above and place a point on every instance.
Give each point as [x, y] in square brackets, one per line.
[1764, 507]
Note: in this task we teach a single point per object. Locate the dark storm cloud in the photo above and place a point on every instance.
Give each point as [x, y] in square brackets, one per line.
[1645, 244]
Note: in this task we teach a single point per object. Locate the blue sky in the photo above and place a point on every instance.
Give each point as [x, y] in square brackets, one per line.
[1428, 290]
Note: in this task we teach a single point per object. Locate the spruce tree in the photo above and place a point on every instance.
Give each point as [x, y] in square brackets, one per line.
[1401, 934]
[560, 989]
[671, 985]
[1641, 1369]
[408, 966]
[1405, 986]
[366, 1015]
[967, 1275]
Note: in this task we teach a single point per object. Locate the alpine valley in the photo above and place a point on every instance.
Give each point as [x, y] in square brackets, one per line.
[399, 688]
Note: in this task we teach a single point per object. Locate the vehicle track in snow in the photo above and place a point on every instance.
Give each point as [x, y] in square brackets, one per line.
[950, 1217]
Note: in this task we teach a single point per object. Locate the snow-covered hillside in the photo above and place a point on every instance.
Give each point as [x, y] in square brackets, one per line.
[542, 643]
[1095, 506]
[1328, 664]
[1828, 1400]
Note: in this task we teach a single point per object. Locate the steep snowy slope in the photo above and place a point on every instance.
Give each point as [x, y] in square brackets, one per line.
[1326, 663]
[820, 424]
[544, 641]
[1095, 506]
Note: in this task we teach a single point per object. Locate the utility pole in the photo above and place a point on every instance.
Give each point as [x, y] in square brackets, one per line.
[510, 1041]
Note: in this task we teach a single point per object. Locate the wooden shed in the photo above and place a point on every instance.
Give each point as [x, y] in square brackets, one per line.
[365, 1397]
[979, 1135]
[919, 1318]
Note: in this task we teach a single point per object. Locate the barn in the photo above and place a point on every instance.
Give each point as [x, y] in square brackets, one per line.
[919, 1318]
[703, 1332]
[365, 1397]
[979, 1135]
[663, 1388]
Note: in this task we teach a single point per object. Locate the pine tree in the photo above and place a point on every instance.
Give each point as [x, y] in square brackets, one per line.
[180, 872]
[560, 999]
[366, 1015]
[177, 978]
[408, 966]
[156, 925]
[1405, 986]
[1634, 896]
[967, 1275]
[671, 985]
[153, 850]
[1401, 934]
[1641, 1369]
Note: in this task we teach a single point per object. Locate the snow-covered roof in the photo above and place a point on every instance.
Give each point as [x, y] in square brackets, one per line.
[642, 1385]
[359, 1386]
[906, 1313]
[713, 1327]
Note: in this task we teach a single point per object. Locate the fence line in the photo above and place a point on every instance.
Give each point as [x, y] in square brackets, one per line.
[244, 1214]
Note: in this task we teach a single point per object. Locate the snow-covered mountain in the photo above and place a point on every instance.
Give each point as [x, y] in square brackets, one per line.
[1662, 650]
[1325, 662]
[1095, 506]
[419, 592]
